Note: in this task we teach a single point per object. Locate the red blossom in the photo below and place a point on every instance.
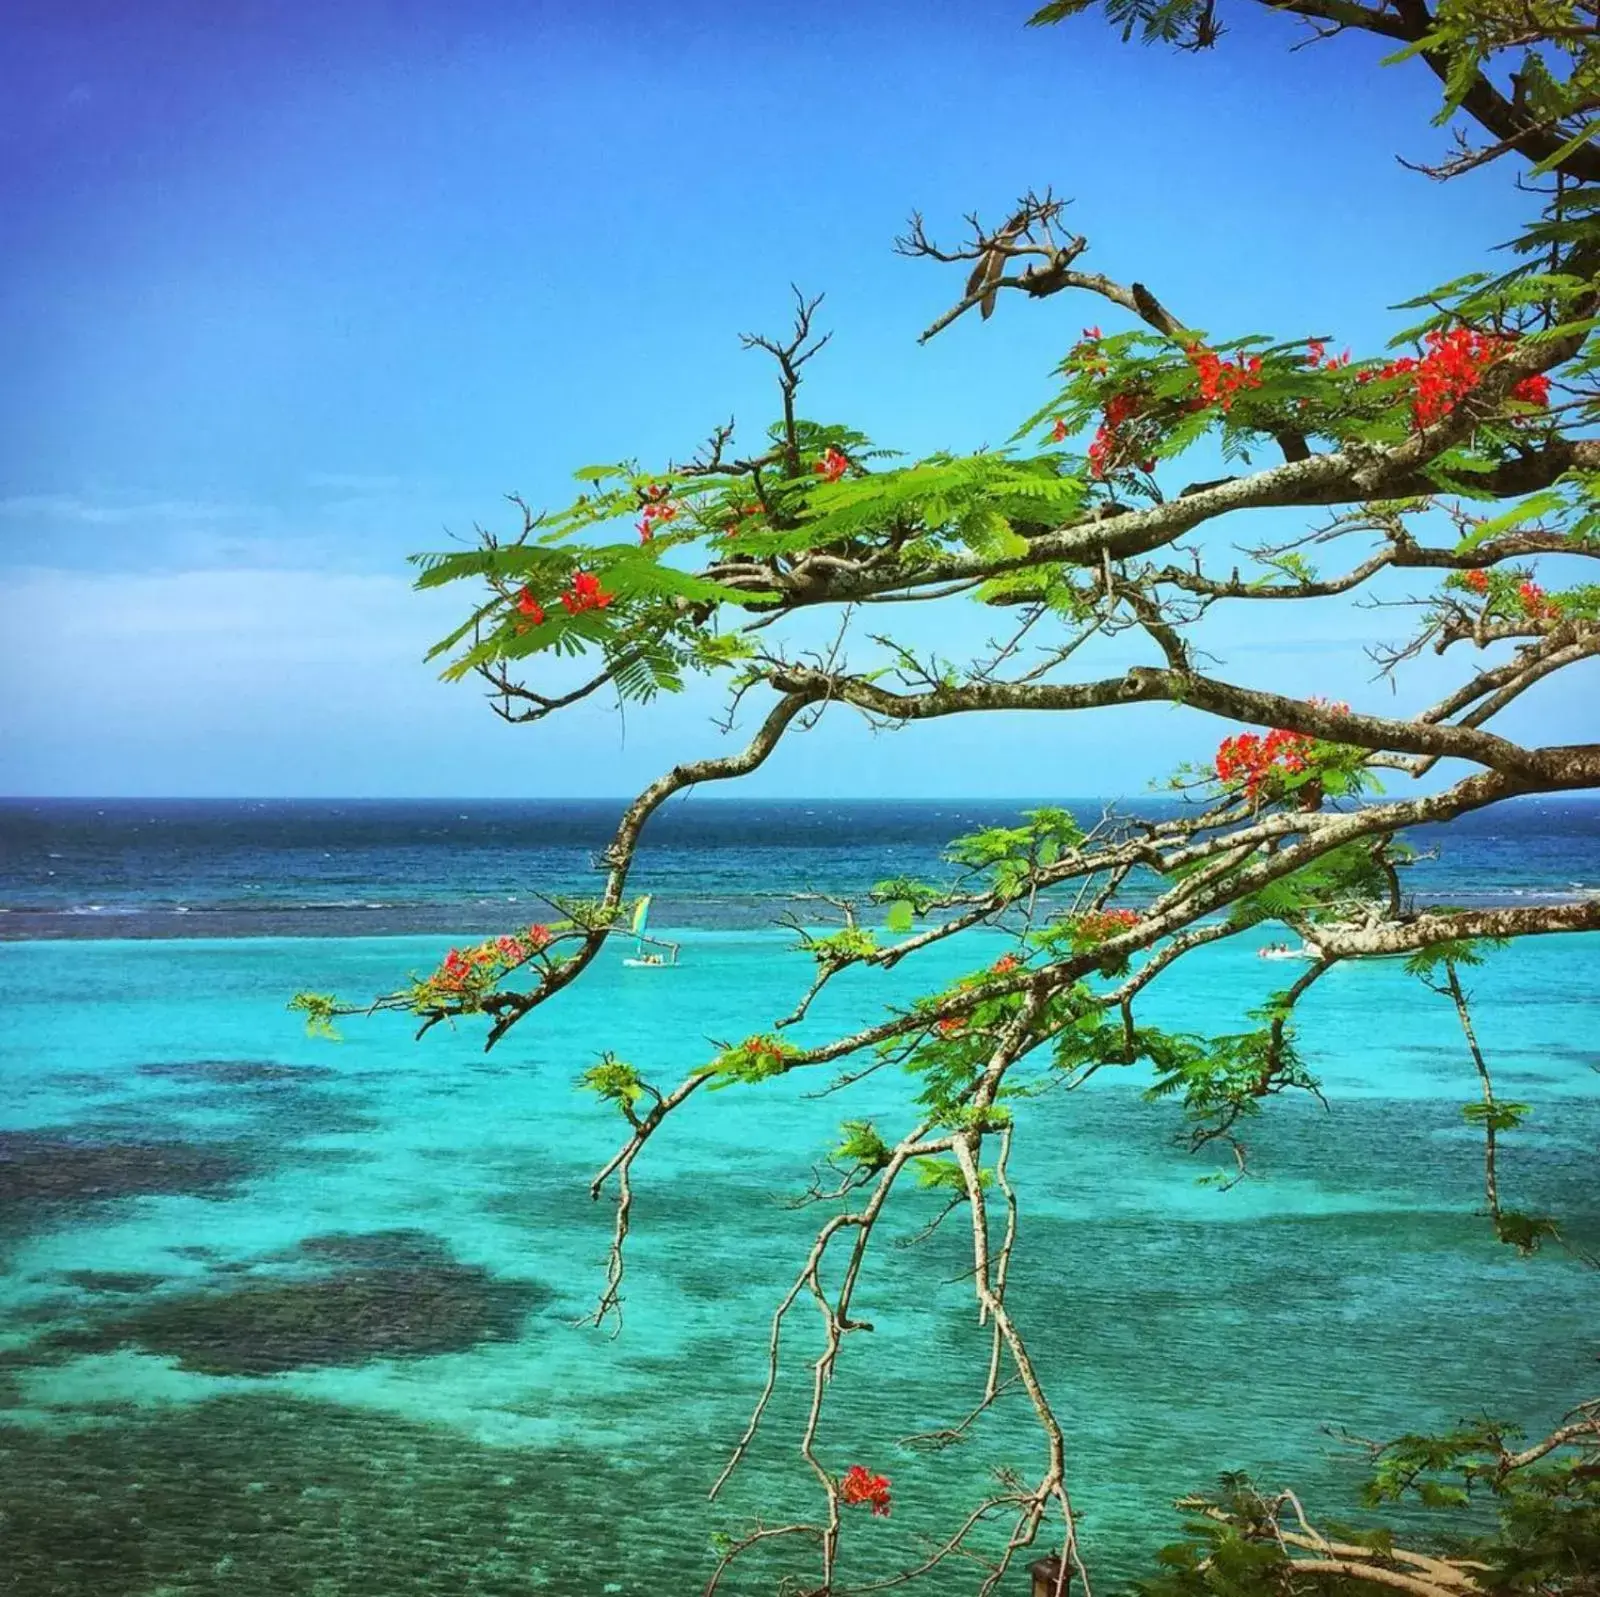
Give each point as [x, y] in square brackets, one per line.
[1534, 390]
[1451, 366]
[1535, 605]
[585, 594]
[1253, 759]
[861, 1486]
[1096, 925]
[1478, 581]
[658, 509]
[1005, 964]
[951, 1026]
[1106, 445]
[1059, 431]
[832, 466]
[530, 607]
[1221, 379]
[484, 964]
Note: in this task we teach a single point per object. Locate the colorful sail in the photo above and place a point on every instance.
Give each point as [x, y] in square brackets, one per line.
[641, 915]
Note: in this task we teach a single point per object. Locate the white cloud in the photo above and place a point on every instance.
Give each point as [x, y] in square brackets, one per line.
[117, 510]
[112, 606]
[333, 521]
[276, 680]
[174, 641]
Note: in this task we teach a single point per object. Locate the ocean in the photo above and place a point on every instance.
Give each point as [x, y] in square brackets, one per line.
[290, 1316]
[304, 868]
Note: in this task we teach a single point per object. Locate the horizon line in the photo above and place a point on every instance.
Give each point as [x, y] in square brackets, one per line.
[1576, 795]
[489, 798]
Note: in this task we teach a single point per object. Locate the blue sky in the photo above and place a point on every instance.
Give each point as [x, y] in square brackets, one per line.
[288, 292]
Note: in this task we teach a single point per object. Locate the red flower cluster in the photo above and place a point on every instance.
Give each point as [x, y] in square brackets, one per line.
[463, 969]
[951, 1026]
[1535, 602]
[1533, 390]
[1535, 605]
[658, 510]
[1221, 379]
[1005, 964]
[1255, 758]
[832, 466]
[731, 529]
[1317, 355]
[1107, 444]
[585, 594]
[1451, 366]
[861, 1486]
[1096, 925]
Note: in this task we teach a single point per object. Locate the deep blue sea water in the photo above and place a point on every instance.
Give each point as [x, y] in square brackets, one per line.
[289, 1316]
[251, 868]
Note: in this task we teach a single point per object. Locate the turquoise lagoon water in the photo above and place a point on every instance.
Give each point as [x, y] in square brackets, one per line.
[291, 1316]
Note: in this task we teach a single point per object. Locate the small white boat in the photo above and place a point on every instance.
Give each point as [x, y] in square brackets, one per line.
[1308, 951]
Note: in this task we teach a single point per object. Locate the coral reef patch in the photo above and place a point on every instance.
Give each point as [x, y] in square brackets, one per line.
[336, 1300]
[47, 1173]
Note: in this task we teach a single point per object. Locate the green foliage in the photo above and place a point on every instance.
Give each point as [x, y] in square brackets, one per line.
[945, 1175]
[755, 1059]
[1009, 855]
[614, 1080]
[1462, 951]
[904, 890]
[861, 1146]
[983, 503]
[1223, 1079]
[320, 1010]
[1163, 21]
[1089, 1039]
[973, 1117]
[1497, 1116]
[1543, 1537]
[588, 914]
[1330, 888]
[952, 1055]
[843, 947]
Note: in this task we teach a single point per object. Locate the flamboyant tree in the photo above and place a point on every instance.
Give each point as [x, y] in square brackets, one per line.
[1468, 457]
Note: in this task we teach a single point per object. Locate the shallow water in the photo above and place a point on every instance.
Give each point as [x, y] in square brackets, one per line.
[212, 1387]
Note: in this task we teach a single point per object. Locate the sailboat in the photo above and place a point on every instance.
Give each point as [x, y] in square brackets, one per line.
[640, 959]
